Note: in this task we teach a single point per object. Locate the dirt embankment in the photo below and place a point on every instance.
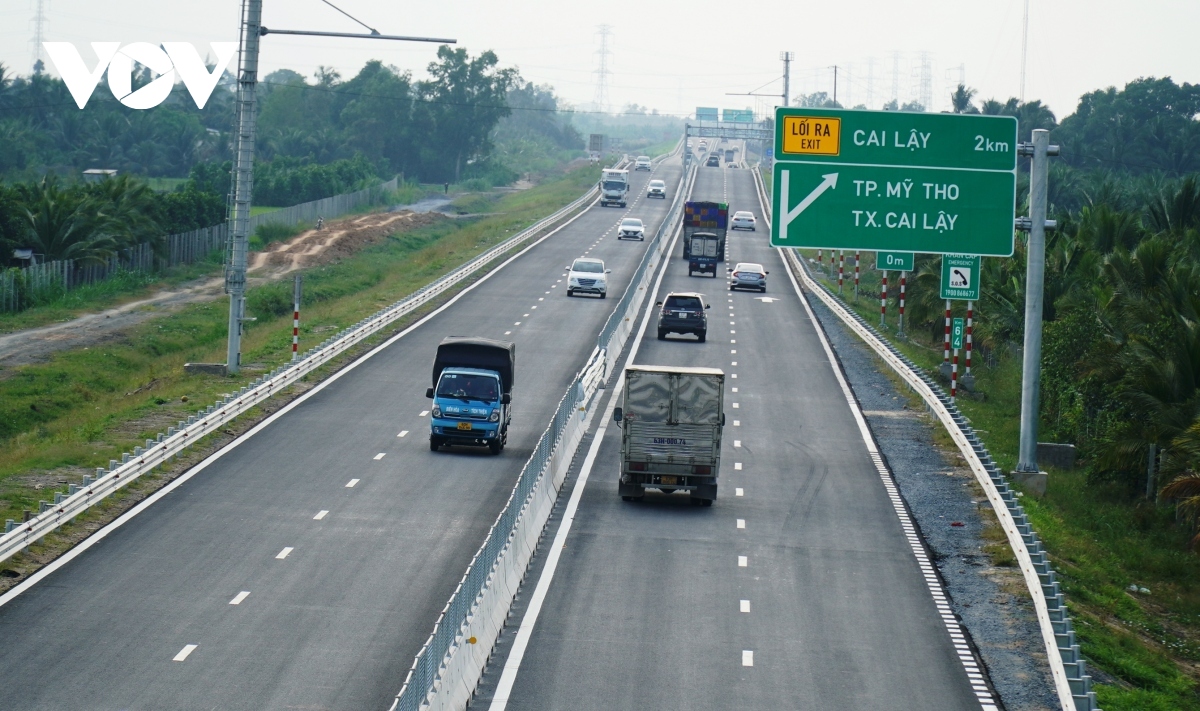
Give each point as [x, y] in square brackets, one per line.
[339, 239]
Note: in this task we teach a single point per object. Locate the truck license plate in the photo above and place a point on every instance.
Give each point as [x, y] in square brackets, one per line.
[671, 480]
[464, 425]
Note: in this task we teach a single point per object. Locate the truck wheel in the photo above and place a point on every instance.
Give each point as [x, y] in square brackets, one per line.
[701, 336]
[434, 443]
[706, 502]
[763, 290]
[495, 447]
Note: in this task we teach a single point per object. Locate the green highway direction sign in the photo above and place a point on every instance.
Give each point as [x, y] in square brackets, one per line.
[894, 181]
[960, 277]
[957, 328]
[894, 261]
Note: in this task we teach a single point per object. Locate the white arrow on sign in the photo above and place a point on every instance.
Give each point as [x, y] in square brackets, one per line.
[830, 181]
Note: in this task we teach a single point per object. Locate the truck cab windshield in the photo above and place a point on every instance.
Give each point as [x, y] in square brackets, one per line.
[468, 387]
[614, 185]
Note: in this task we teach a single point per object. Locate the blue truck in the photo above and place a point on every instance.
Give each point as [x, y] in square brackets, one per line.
[472, 393]
[704, 228]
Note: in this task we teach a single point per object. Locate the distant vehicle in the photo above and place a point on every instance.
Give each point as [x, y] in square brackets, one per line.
[703, 144]
[710, 217]
[643, 163]
[683, 313]
[657, 189]
[729, 155]
[747, 275]
[632, 228]
[689, 143]
[743, 220]
[714, 161]
[614, 187]
[587, 276]
[703, 253]
[472, 389]
[671, 423]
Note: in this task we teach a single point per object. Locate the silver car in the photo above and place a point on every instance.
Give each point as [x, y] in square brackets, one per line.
[631, 228]
[643, 163]
[747, 275]
[657, 189]
[587, 276]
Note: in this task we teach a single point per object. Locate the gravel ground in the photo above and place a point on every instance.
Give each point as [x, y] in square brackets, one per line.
[993, 603]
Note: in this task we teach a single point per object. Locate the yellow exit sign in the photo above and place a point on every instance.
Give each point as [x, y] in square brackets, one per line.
[812, 135]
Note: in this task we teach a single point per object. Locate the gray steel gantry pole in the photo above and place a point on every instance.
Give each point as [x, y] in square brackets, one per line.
[235, 270]
[1035, 272]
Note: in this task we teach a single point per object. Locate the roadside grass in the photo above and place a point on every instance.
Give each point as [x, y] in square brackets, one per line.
[60, 419]
[1146, 646]
[261, 209]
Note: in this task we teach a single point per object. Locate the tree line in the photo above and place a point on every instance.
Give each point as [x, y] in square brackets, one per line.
[1121, 361]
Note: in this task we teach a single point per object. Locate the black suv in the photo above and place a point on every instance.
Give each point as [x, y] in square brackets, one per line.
[683, 312]
[714, 161]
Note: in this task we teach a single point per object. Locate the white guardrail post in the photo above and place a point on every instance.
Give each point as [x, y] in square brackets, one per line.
[447, 669]
[169, 444]
[1072, 683]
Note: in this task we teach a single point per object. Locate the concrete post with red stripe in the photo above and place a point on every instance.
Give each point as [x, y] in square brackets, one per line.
[821, 261]
[970, 318]
[954, 377]
[856, 256]
[883, 301]
[946, 342]
[841, 269]
[296, 283]
[903, 284]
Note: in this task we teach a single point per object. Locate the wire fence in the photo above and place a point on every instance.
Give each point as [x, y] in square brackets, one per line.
[23, 287]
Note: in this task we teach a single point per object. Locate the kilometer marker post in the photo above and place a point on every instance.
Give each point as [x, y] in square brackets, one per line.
[883, 301]
[900, 323]
[841, 269]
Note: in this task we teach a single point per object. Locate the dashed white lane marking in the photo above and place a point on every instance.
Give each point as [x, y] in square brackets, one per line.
[350, 484]
[553, 286]
[731, 323]
[733, 363]
[284, 553]
[527, 315]
[737, 442]
[743, 561]
[533, 307]
[518, 323]
[237, 600]
[737, 423]
[737, 466]
[403, 433]
[733, 375]
[739, 492]
[183, 653]
[423, 413]
[745, 606]
[547, 293]
[733, 351]
[320, 515]
[735, 390]
[736, 406]
[741, 523]
[508, 333]
[747, 658]
[733, 340]
[381, 455]
[731, 331]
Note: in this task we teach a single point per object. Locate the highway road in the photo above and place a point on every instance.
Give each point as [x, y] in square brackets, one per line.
[797, 590]
[305, 567]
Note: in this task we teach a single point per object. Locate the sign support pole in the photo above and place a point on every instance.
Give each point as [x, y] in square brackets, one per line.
[1035, 274]
[900, 324]
[883, 302]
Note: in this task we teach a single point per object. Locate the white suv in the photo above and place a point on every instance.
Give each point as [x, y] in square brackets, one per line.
[643, 163]
[587, 276]
[657, 189]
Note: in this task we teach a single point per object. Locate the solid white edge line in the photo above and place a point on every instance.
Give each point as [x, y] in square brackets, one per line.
[512, 666]
[99, 535]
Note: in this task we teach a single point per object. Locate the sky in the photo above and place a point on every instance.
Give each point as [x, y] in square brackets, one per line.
[674, 56]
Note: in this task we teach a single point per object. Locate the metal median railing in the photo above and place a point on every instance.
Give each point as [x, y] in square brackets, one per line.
[107, 480]
[449, 664]
[1067, 667]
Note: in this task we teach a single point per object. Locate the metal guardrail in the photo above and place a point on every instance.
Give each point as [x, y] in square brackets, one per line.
[158, 451]
[1067, 667]
[447, 668]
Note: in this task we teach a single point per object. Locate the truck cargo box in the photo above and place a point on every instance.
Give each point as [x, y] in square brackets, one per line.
[485, 353]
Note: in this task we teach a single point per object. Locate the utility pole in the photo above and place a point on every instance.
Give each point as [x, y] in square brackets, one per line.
[835, 68]
[787, 58]
[1035, 271]
[246, 111]
[39, 26]
[1024, 49]
[602, 71]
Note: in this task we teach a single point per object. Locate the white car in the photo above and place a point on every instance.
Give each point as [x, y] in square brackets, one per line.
[587, 276]
[689, 143]
[632, 228]
[643, 163]
[743, 220]
[657, 189]
[747, 275]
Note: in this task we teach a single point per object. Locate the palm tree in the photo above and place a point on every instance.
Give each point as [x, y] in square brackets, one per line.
[1185, 489]
[59, 226]
[961, 98]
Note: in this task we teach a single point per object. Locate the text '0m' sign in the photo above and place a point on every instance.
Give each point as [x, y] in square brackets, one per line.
[894, 181]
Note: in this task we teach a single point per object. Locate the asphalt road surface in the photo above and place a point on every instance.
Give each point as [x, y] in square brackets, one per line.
[797, 589]
[304, 568]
